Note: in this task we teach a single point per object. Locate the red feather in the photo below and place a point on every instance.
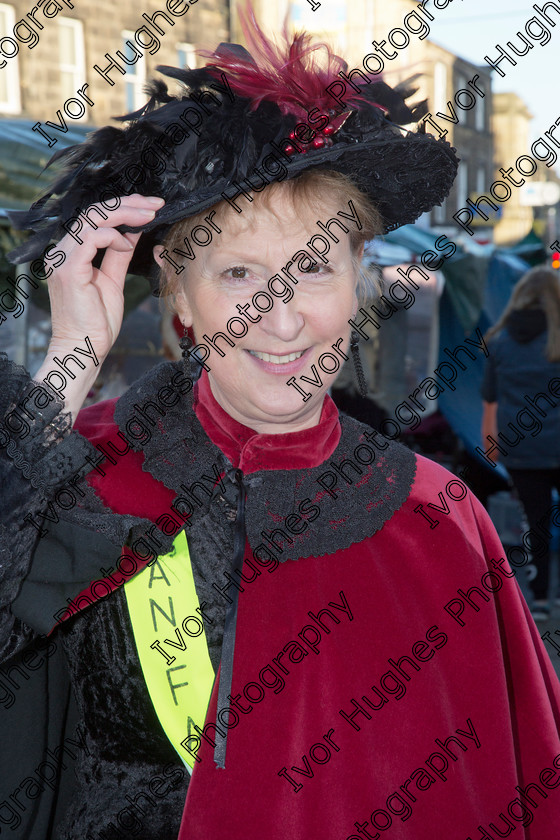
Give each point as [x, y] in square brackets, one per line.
[294, 74]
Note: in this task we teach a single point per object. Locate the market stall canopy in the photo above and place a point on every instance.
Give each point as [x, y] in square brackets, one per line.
[478, 283]
[419, 239]
[462, 407]
[465, 271]
[530, 249]
[23, 157]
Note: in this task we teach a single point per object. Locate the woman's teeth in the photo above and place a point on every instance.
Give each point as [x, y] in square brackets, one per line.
[276, 360]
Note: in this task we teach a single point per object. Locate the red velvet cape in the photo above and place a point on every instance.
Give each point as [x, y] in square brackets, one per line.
[413, 672]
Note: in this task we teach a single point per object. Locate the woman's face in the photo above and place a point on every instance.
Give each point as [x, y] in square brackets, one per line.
[250, 380]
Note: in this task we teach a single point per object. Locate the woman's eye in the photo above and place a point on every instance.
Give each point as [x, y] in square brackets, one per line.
[237, 272]
[317, 269]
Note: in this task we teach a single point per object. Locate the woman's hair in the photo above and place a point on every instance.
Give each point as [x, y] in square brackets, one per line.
[312, 188]
[539, 288]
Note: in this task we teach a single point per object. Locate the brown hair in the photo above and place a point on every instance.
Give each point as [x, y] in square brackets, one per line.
[539, 288]
[310, 188]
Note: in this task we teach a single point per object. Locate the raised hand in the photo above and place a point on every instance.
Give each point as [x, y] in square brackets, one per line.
[88, 301]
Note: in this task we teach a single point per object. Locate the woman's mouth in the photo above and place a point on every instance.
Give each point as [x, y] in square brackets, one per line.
[286, 363]
[277, 360]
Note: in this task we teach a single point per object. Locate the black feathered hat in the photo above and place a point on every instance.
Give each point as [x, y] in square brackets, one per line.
[242, 121]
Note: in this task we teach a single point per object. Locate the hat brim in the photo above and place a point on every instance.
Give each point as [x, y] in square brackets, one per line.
[404, 176]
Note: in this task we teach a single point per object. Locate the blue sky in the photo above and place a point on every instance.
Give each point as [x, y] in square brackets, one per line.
[472, 28]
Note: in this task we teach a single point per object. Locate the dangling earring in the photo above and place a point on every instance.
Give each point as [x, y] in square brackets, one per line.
[362, 384]
[192, 363]
[185, 343]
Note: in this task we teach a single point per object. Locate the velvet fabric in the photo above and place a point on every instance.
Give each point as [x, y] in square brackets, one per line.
[251, 451]
[400, 631]
[424, 652]
[411, 625]
[127, 775]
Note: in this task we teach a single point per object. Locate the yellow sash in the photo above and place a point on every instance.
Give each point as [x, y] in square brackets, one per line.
[175, 662]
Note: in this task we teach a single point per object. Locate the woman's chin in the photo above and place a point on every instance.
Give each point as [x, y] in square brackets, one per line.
[279, 400]
[253, 394]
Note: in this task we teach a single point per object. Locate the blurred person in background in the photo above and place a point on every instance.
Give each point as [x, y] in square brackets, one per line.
[275, 560]
[520, 412]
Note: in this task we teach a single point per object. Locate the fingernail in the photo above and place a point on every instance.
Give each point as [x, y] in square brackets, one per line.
[154, 199]
[146, 212]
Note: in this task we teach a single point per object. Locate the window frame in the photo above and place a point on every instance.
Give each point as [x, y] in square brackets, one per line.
[190, 49]
[462, 182]
[12, 103]
[76, 69]
[135, 76]
[480, 111]
[461, 84]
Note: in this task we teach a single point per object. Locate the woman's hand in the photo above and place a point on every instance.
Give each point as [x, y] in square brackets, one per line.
[88, 301]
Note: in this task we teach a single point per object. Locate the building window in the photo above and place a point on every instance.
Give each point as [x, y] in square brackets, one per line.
[10, 101]
[324, 17]
[480, 110]
[186, 56]
[440, 86]
[461, 113]
[72, 58]
[462, 184]
[303, 14]
[481, 180]
[135, 77]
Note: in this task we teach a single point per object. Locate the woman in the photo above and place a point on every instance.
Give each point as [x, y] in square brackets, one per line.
[310, 585]
[521, 412]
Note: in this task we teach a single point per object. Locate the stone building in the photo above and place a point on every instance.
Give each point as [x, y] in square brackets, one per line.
[510, 122]
[462, 113]
[48, 54]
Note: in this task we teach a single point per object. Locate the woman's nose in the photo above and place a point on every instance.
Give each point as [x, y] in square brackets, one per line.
[284, 320]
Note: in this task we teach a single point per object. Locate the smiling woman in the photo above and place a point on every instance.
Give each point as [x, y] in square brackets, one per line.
[255, 477]
[244, 264]
[249, 379]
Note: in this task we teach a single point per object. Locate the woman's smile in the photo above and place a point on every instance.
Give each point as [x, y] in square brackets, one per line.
[284, 363]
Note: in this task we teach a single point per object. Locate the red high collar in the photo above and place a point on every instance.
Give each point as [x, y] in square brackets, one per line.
[123, 484]
[251, 451]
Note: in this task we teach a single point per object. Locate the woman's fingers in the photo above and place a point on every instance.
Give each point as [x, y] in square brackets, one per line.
[87, 300]
[117, 258]
[133, 210]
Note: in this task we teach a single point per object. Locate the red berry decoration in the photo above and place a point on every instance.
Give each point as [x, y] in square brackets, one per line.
[329, 129]
[290, 150]
[318, 142]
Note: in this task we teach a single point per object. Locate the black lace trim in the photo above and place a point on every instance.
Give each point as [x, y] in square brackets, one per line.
[360, 509]
[37, 459]
[365, 500]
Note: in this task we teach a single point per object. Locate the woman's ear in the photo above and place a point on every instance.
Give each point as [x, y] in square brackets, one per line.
[183, 309]
[357, 261]
[181, 304]
[156, 254]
